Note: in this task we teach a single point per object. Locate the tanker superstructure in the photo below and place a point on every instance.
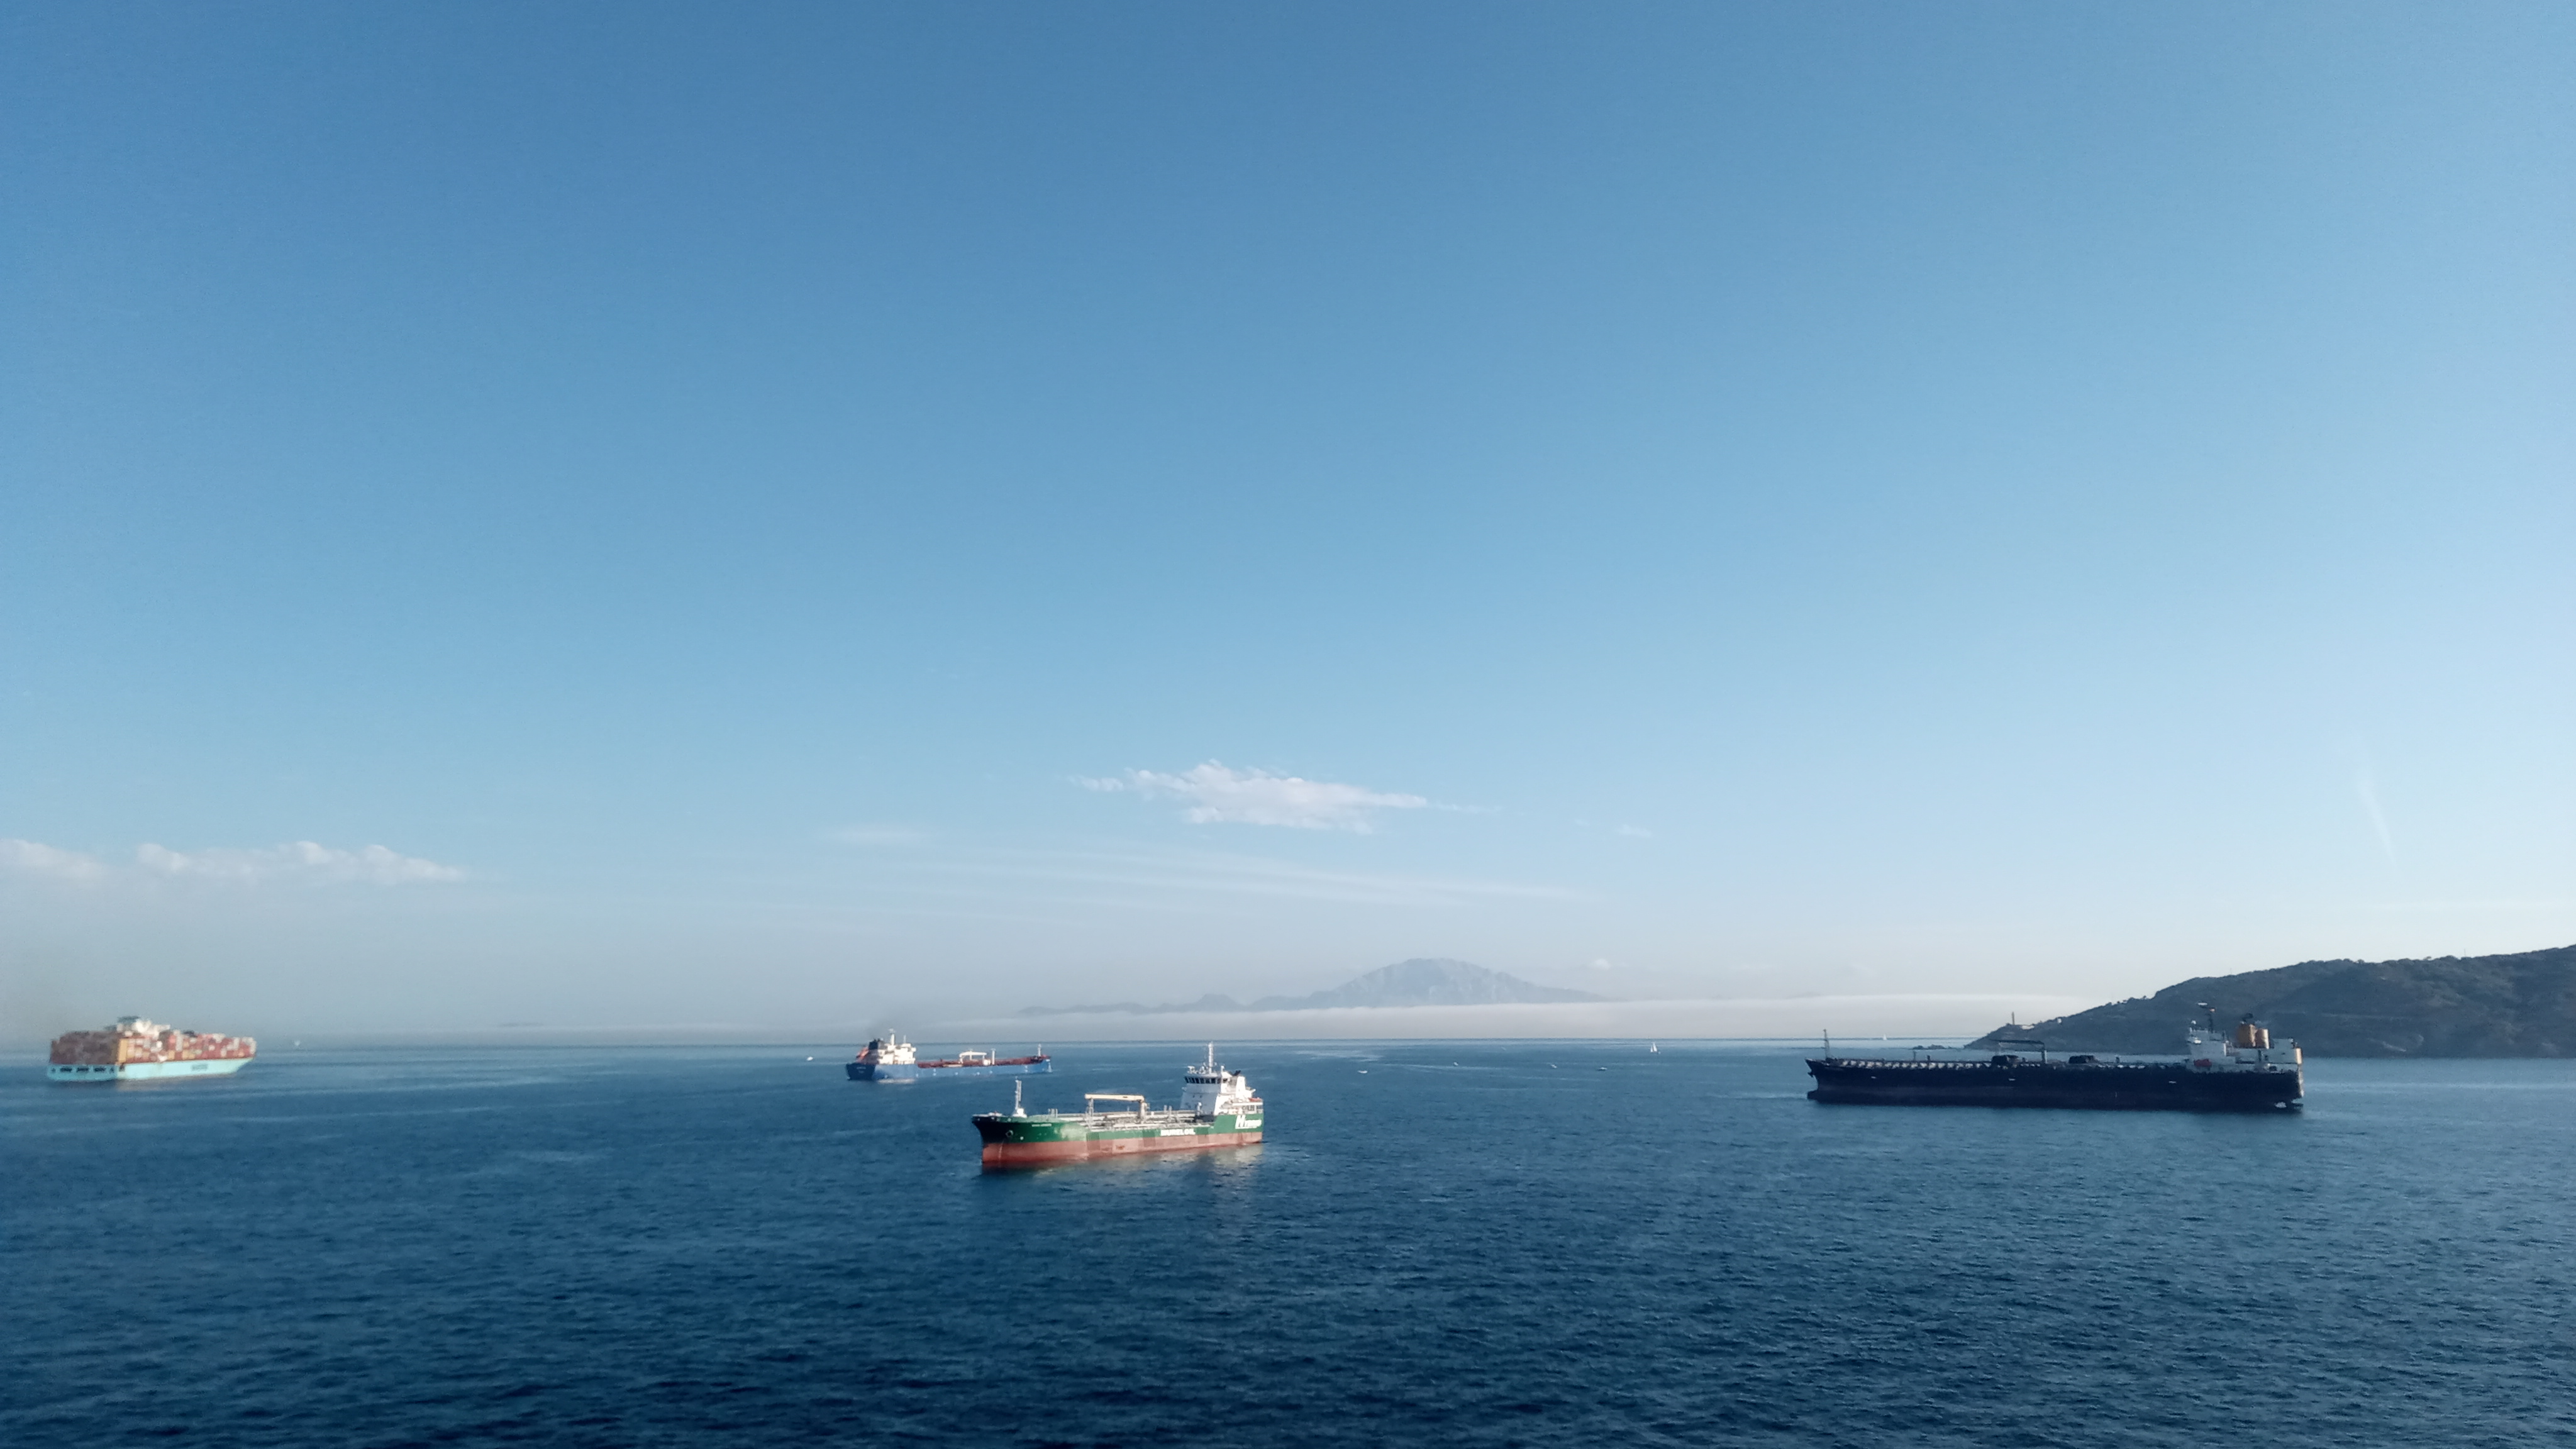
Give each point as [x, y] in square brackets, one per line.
[137, 1049]
[2235, 1071]
[1218, 1109]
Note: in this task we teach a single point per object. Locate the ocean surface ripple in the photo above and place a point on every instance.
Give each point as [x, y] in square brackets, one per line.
[1441, 1242]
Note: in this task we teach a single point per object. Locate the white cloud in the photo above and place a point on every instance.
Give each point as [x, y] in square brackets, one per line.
[1637, 832]
[299, 860]
[26, 857]
[1219, 795]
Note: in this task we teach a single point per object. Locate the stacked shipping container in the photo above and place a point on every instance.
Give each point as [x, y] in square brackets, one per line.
[133, 1039]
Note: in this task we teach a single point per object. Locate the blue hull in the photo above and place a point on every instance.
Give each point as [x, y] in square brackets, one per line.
[864, 1072]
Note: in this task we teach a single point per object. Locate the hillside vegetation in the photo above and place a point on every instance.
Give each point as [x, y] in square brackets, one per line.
[2522, 1005]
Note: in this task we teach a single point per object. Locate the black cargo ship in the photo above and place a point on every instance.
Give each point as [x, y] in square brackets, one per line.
[2239, 1072]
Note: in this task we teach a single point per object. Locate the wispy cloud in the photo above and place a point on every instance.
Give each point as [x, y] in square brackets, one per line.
[1219, 795]
[1636, 832]
[300, 860]
[26, 857]
[2488, 905]
[2367, 788]
[874, 835]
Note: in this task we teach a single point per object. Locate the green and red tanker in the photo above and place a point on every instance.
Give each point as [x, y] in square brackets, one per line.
[1217, 1109]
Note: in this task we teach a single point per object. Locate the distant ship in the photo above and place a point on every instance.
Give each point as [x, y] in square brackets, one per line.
[890, 1058]
[136, 1049]
[2239, 1071]
[1217, 1109]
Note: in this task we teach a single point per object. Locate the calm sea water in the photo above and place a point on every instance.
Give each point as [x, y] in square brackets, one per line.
[1440, 1243]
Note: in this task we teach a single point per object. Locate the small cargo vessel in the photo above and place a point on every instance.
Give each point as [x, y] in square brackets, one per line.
[2236, 1071]
[1218, 1109]
[137, 1049]
[890, 1058]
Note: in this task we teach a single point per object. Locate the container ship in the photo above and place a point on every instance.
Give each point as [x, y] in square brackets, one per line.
[2236, 1071]
[1217, 1109]
[890, 1058]
[139, 1050]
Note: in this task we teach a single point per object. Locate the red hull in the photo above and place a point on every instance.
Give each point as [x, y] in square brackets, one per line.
[1031, 1154]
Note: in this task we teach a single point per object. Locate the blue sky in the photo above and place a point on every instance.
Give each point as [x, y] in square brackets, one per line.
[796, 514]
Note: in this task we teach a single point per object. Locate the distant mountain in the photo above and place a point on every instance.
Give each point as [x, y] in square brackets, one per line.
[1426, 982]
[2522, 1005]
[1419, 982]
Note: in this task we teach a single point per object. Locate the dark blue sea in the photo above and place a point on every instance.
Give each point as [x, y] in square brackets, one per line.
[1440, 1244]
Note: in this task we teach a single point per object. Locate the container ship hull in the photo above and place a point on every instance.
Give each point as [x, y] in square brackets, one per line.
[938, 1071]
[2099, 1086]
[1037, 1141]
[142, 1071]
